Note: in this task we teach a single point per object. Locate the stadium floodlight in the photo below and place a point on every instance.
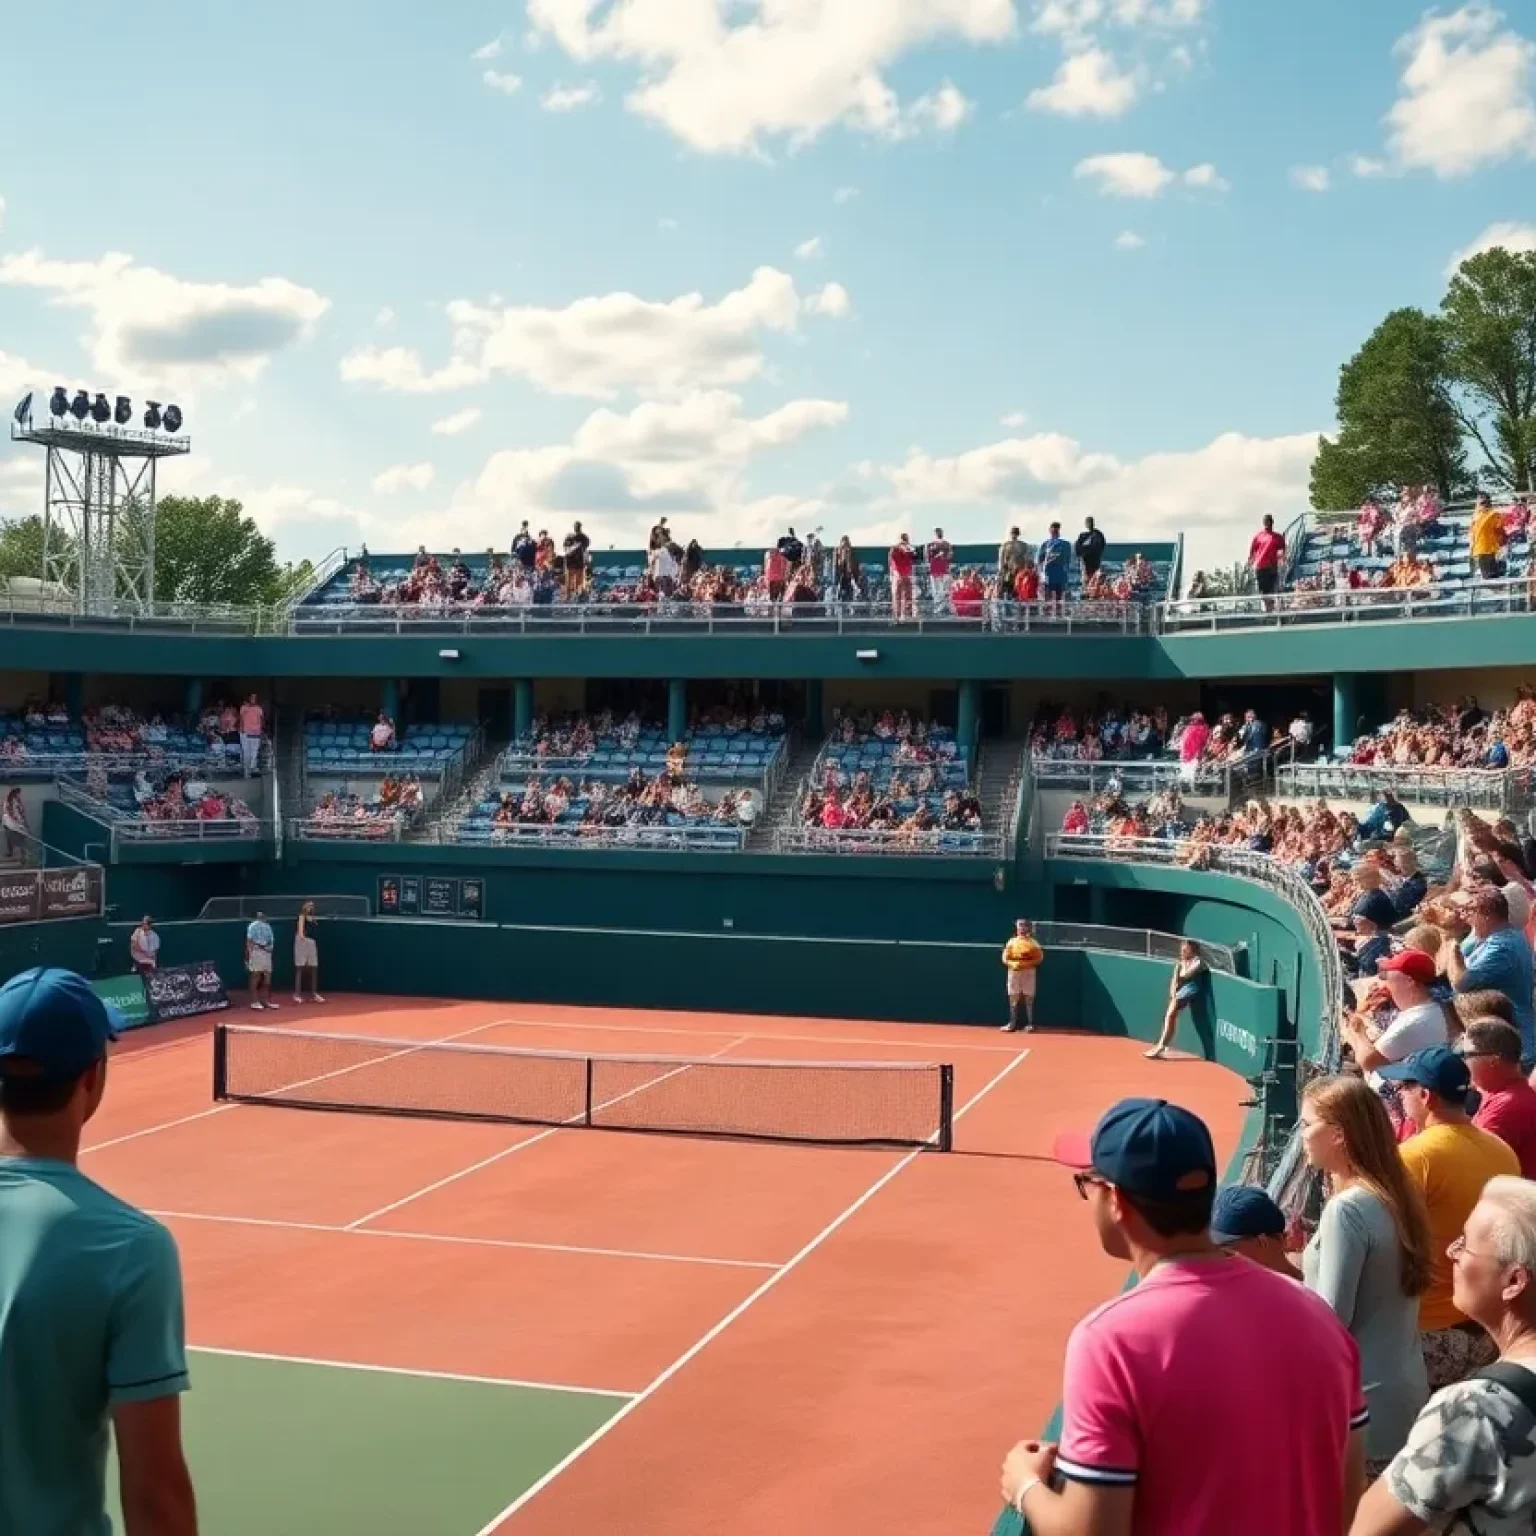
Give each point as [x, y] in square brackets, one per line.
[101, 409]
[151, 415]
[123, 413]
[80, 406]
[24, 410]
[173, 418]
[58, 401]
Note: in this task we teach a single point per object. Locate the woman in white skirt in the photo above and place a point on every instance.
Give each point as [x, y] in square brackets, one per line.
[306, 956]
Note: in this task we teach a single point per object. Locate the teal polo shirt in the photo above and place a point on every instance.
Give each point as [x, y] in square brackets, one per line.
[91, 1317]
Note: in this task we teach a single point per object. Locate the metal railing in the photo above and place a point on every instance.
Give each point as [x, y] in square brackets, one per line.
[1445, 600]
[821, 617]
[1139, 777]
[62, 610]
[1499, 789]
[514, 764]
[123, 828]
[897, 842]
[717, 837]
[225, 763]
[370, 829]
[1146, 942]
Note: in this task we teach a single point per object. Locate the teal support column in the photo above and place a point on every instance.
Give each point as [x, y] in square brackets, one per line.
[1346, 707]
[967, 718]
[74, 694]
[522, 708]
[677, 709]
[193, 697]
[389, 698]
[813, 705]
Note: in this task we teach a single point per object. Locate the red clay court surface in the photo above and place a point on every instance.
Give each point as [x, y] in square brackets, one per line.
[762, 1338]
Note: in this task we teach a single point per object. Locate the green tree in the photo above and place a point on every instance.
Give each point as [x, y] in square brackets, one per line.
[21, 547]
[1489, 321]
[208, 551]
[1398, 420]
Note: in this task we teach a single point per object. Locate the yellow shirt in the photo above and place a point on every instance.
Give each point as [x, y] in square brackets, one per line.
[1486, 533]
[1021, 954]
[1450, 1164]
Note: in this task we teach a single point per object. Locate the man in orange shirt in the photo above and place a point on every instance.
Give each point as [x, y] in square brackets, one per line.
[252, 722]
[1021, 958]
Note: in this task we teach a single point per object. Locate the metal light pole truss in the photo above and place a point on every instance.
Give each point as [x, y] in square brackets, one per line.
[99, 510]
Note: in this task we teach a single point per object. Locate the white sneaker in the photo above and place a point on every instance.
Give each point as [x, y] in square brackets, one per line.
[298, 997]
[256, 1005]
[271, 1004]
[315, 997]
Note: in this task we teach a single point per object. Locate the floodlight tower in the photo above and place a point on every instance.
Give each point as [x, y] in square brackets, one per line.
[99, 494]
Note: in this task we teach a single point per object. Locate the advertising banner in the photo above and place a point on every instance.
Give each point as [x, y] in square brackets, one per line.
[126, 994]
[180, 991]
[26, 895]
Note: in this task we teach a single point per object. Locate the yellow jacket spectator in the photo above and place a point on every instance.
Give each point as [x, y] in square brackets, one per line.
[1021, 958]
[1486, 536]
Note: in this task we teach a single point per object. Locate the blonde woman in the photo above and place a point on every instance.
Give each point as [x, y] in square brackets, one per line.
[1370, 1258]
[306, 956]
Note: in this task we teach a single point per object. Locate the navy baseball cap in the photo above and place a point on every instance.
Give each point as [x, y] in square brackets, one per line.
[1146, 1147]
[52, 1025]
[1244, 1210]
[1438, 1068]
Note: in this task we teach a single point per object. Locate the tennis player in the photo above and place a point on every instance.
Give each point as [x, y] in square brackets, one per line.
[1021, 958]
[92, 1337]
[258, 961]
[306, 956]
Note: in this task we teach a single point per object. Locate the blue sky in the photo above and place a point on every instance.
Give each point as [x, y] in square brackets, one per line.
[863, 266]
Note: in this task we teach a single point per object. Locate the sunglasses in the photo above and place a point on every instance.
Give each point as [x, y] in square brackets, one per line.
[1086, 1181]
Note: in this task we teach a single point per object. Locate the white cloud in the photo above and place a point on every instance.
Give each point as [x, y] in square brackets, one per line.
[942, 110]
[385, 318]
[1465, 98]
[666, 223]
[569, 98]
[1214, 494]
[2, 213]
[809, 250]
[459, 421]
[1310, 178]
[723, 79]
[487, 51]
[832, 300]
[17, 376]
[605, 345]
[403, 477]
[1365, 167]
[1208, 177]
[1128, 240]
[1513, 237]
[147, 327]
[1015, 419]
[1086, 84]
[844, 195]
[1076, 20]
[508, 85]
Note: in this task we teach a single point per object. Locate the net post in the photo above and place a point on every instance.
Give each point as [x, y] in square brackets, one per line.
[946, 1141]
[220, 1061]
[587, 1107]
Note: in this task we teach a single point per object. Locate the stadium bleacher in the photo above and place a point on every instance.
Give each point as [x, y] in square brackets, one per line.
[1331, 543]
[343, 746]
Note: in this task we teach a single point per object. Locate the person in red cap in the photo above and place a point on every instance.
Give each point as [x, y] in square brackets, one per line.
[1215, 1397]
[1420, 1021]
[92, 1333]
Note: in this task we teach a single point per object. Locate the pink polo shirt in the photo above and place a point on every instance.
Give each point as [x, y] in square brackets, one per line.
[1224, 1393]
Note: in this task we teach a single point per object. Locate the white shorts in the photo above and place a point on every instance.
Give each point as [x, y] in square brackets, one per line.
[259, 963]
[1021, 984]
[305, 954]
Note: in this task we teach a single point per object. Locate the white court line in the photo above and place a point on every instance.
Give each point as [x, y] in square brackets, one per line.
[741, 1307]
[402, 1370]
[673, 1029]
[496, 1157]
[219, 1109]
[469, 1242]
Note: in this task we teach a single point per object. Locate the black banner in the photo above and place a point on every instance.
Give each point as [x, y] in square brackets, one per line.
[443, 896]
[26, 895]
[180, 991]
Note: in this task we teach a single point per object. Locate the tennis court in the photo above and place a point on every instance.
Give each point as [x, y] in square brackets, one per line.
[437, 1325]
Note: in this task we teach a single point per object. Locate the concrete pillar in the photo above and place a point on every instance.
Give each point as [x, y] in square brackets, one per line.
[1346, 707]
[522, 708]
[677, 709]
[813, 706]
[389, 698]
[74, 694]
[968, 719]
[193, 698]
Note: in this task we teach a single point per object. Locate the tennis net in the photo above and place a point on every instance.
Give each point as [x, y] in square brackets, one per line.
[848, 1103]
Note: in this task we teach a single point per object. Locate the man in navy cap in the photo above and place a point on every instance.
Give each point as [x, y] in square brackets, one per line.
[1214, 1396]
[91, 1324]
[1247, 1222]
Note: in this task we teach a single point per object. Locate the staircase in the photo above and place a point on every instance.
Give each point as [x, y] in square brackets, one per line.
[287, 798]
[780, 810]
[997, 770]
[442, 817]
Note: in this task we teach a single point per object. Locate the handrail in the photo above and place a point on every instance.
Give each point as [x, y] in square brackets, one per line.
[128, 829]
[1501, 789]
[898, 841]
[1288, 608]
[717, 836]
